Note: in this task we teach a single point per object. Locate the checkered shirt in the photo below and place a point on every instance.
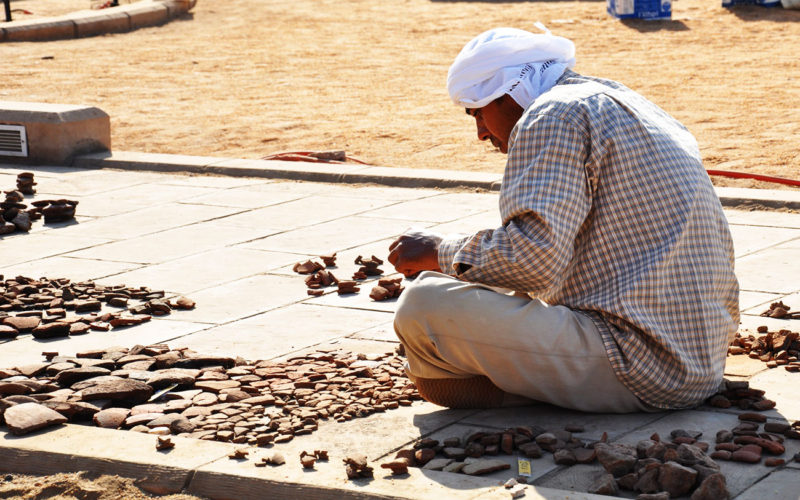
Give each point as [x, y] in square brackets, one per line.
[607, 209]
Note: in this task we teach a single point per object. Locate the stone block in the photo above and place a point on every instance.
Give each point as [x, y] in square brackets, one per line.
[24, 31]
[143, 14]
[91, 23]
[57, 132]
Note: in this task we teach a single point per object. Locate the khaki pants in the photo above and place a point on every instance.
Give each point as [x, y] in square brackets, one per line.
[454, 329]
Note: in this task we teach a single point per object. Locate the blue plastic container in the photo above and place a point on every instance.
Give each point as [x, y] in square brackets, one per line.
[641, 9]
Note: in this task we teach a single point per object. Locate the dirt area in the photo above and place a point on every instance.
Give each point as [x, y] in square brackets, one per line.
[249, 78]
[81, 485]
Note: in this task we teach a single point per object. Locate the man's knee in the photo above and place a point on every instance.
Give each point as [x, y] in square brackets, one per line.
[419, 298]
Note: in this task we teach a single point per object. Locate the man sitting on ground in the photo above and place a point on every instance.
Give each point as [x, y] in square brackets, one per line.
[612, 238]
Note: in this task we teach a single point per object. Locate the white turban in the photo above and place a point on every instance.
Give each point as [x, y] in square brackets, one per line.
[508, 61]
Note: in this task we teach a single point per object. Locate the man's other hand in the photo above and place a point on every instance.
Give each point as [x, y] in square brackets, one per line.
[415, 251]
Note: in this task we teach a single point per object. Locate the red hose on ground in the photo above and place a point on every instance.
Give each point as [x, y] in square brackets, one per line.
[758, 177]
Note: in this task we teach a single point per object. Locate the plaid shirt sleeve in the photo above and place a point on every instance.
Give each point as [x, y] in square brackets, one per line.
[544, 200]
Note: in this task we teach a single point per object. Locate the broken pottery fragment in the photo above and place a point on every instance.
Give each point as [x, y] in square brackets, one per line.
[25, 418]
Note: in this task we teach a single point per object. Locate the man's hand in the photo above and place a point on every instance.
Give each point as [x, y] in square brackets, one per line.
[415, 251]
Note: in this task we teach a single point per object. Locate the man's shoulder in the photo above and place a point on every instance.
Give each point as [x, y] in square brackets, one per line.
[577, 98]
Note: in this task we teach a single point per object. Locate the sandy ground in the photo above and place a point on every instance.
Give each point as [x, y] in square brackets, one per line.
[246, 78]
[80, 485]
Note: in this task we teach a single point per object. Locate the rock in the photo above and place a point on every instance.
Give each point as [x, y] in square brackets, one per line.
[712, 488]
[616, 459]
[51, 330]
[484, 466]
[676, 479]
[604, 485]
[130, 391]
[111, 418]
[25, 418]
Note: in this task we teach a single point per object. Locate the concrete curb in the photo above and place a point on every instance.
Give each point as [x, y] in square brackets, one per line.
[355, 173]
[203, 468]
[86, 23]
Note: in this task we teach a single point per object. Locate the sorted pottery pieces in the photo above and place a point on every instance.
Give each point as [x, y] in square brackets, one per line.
[781, 348]
[52, 308]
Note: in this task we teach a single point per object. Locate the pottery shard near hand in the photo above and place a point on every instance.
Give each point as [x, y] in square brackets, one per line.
[24, 418]
[484, 466]
[131, 391]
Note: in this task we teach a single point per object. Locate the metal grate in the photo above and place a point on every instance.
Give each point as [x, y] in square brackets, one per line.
[13, 141]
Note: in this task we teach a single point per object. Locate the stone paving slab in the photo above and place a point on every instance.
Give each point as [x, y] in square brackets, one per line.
[229, 243]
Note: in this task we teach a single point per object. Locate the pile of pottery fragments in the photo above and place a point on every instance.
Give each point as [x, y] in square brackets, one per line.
[319, 277]
[780, 348]
[16, 216]
[51, 308]
[781, 311]
[162, 391]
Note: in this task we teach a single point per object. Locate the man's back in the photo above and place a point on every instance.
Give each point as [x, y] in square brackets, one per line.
[631, 233]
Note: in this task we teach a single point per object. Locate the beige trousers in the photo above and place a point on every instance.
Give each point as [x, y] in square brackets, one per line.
[454, 329]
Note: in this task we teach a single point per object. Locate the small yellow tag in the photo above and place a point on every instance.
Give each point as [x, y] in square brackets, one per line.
[524, 467]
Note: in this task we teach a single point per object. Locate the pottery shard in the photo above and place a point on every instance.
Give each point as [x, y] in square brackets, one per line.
[564, 457]
[51, 330]
[8, 332]
[68, 377]
[23, 324]
[584, 455]
[438, 463]
[712, 488]
[746, 456]
[676, 479]
[180, 376]
[616, 459]
[87, 306]
[165, 420]
[484, 466]
[424, 455]
[25, 418]
[14, 388]
[604, 485]
[111, 418]
[131, 391]
[216, 385]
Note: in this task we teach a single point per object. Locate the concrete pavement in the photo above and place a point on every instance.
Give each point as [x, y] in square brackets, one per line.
[229, 243]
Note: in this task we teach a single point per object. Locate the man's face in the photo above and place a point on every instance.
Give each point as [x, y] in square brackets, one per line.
[496, 120]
